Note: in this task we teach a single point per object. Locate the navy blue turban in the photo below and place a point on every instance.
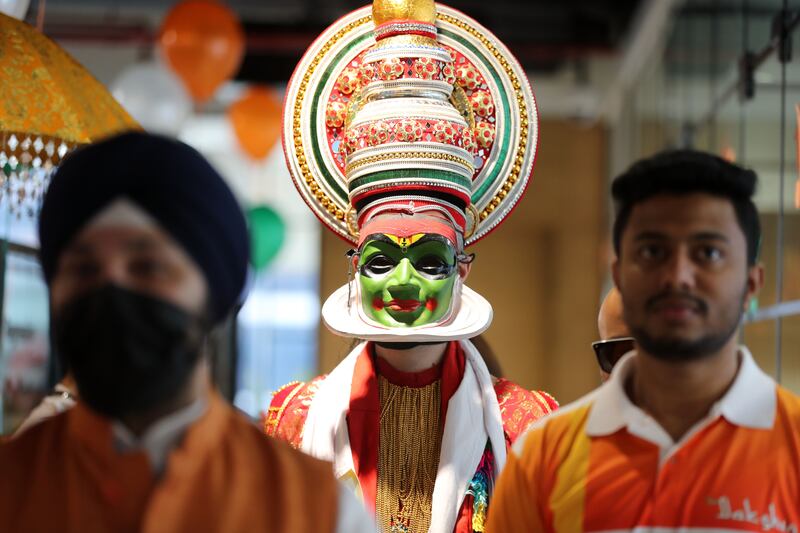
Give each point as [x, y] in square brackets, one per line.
[170, 181]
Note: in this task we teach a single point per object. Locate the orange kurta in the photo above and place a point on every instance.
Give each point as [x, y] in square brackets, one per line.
[602, 464]
[64, 475]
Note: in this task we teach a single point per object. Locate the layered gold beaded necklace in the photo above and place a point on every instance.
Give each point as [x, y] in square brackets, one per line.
[408, 456]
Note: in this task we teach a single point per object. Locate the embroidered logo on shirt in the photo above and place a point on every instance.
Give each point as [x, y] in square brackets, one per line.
[769, 520]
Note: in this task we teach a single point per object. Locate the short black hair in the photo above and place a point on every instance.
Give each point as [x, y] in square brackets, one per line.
[680, 172]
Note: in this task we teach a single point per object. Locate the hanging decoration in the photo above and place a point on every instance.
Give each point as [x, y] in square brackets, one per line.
[14, 8]
[49, 105]
[203, 43]
[154, 97]
[256, 120]
[267, 232]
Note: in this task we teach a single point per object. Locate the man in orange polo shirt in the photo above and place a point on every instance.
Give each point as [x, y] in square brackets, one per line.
[688, 434]
[144, 249]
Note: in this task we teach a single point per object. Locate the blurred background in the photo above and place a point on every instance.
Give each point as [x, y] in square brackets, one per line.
[615, 80]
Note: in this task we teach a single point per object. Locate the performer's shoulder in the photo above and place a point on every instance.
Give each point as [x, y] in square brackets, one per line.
[567, 424]
[288, 410]
[509, 392]
[520, 407]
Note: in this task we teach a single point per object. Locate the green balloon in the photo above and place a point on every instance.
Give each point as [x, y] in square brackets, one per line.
[266, 235]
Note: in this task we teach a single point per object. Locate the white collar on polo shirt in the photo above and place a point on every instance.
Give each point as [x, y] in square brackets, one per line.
[750, 402]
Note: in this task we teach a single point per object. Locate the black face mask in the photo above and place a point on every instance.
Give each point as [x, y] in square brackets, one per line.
[128, 352]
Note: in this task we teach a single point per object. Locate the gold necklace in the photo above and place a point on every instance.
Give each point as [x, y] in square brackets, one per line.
[408, 456]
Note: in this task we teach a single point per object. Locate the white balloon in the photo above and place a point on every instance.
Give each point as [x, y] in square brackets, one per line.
[154, 97]
[14, 8]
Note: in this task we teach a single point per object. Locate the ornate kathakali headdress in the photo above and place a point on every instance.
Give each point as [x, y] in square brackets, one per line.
[411, 132]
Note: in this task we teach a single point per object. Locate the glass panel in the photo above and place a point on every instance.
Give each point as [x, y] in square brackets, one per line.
[277, 337]
[790, 353]
[729, 130]
[728, 44]
[277, 332]
[653, 135]
[21, 228]
[725, 48]
[762, 141]
[759, 337]
[24, 346]
[702, 75]
[791, 257]
[678, 78]
[791, 198]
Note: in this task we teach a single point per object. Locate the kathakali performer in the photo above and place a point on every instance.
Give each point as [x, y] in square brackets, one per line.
[411, 132]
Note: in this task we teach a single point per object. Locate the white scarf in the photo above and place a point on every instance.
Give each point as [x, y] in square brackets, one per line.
[473, 415]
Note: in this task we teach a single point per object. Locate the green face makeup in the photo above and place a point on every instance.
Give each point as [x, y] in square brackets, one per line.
[407, 282]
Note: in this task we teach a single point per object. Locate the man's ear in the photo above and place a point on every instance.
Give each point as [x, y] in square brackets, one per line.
[755, 280]
[615, 272]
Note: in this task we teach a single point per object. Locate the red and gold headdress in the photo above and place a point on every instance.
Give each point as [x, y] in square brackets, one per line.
[410, 106]
[410, 118]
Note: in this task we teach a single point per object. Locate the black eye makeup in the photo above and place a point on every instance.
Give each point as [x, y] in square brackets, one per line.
[378, 265]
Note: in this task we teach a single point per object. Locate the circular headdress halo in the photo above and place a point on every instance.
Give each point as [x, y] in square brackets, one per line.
[490, 89]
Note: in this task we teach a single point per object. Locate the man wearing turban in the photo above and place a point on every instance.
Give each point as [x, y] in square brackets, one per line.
[145, 249]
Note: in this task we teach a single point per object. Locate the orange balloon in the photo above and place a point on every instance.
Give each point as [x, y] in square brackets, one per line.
[256, 120]
[204, 44]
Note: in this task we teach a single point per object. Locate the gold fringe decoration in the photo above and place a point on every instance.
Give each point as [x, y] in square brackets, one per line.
[408, 458]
